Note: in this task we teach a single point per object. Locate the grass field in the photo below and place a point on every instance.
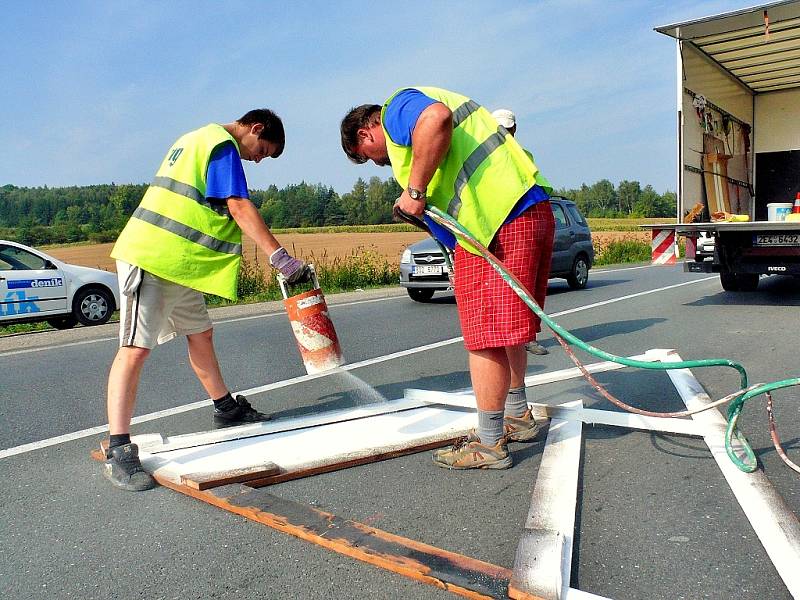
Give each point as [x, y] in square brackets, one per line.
[330, 243]
[600, 225]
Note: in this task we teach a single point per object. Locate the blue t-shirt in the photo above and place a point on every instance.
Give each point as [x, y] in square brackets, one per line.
[400, 118]
[225, 176]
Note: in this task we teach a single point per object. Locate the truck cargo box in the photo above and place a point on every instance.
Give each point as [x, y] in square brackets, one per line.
[738, 101]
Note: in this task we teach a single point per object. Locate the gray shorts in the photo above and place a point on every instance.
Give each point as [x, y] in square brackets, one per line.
[155, 310]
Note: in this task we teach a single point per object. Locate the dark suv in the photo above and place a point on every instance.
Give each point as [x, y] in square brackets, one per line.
[423, 269]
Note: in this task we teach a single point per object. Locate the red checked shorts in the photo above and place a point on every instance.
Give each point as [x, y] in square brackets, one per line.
[491, 314]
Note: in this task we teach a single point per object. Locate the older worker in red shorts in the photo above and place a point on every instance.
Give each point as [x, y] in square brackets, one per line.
[446, 150]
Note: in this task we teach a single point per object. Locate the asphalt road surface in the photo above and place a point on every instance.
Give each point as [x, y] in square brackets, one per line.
[655, 517]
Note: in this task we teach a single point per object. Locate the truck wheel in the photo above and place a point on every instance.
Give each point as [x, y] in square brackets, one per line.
[67, 322]
[739, 282]
[729, 281]
[579, 275]
[420, 294]
[748, 282]
[92, 306]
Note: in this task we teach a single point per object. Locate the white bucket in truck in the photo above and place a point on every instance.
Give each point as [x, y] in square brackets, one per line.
[777, 211]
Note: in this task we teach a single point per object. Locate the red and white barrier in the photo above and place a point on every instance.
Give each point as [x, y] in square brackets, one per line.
[663, 247]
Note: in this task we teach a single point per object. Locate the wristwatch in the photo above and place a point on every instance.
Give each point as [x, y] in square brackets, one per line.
[416, 194]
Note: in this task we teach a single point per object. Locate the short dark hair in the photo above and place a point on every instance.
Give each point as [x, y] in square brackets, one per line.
[359, 117]
[273, 127]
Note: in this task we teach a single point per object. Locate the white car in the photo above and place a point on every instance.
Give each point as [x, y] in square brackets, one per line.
[37, 287]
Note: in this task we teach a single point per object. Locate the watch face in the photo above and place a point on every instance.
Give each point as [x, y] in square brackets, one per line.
[415, 194]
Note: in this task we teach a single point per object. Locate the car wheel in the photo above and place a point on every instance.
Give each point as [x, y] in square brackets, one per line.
[92, 306]
[579, 275]
[420, 294]
[63, 322]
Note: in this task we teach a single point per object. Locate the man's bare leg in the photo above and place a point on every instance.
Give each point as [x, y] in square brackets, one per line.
[123, 467]
[227, 409]
[491, 376]
[516, 400]
[123, 383]
[204, 361]
[518, 363]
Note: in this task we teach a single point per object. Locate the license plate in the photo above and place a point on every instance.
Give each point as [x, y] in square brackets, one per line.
[776, 239]
[428, 270]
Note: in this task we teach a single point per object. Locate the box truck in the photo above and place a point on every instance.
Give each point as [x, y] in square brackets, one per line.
[738, 101]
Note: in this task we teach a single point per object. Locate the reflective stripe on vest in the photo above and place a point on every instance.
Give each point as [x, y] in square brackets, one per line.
[480, 154]
[184, 189]
[463, 111]
[186, 232]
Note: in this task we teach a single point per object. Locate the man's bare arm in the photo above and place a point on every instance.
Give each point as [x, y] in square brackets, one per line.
[249, 219]
[430, 142]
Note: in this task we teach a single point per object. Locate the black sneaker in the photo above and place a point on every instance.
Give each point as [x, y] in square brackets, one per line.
[240, 414]
[124, 469]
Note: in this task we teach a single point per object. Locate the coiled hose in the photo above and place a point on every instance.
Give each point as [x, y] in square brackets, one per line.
[747, 463]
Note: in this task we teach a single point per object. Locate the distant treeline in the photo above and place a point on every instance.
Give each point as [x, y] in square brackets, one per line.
[97, 213]
[627, 200]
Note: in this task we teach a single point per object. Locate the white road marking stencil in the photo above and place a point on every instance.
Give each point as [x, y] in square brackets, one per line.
[543, 562]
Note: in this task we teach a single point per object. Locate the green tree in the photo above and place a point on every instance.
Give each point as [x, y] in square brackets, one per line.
[628, 193]
[353, 203]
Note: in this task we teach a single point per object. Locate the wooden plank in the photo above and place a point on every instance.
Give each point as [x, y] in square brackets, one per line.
[461, 575]
[543, 560]
[205, 481]
[348, 463]
[322, 448]
[773, 520]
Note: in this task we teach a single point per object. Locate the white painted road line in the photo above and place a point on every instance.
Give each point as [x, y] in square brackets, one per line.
[287, 382]
[628, 297]
[155, 443]
[220, 322]
[627, 269]
[543, 560]
[55, 346]
[772, 519]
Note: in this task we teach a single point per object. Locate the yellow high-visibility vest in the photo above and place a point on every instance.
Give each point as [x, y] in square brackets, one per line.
[484, 173]
[176, 233]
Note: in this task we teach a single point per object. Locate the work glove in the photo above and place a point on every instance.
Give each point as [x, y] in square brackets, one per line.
[295, 271]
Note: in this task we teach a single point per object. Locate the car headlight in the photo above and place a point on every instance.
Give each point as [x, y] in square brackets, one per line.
[405, 257]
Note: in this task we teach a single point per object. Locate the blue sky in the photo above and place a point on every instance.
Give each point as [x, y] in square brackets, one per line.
[95, 92]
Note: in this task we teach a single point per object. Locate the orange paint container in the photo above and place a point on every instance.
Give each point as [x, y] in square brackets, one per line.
[312, 327]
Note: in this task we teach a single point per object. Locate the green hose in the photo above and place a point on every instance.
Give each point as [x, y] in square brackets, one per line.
[735, 409]
[748, 464]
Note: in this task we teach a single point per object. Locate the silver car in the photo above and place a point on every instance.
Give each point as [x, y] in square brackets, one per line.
[423, 269]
